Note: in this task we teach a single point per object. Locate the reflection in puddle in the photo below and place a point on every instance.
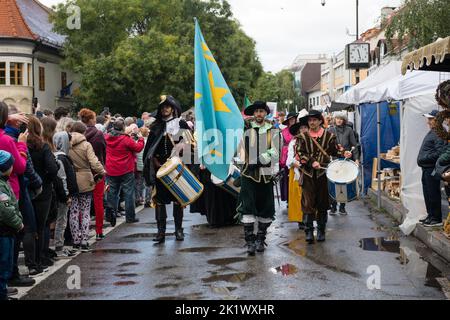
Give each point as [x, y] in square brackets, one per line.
[380, 244]
[226, 261]
[126, 275]
[124, 283]
[285, 270]
[418, 269]
[298, 246]
[231, 277]
[145, 235]
[200, 249]
[167, 285]
[128, 264]
[116, 251]
[190, 296]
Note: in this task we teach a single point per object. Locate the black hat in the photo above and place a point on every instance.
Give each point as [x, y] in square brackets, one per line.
[301, 122]
[289, 117]
[250, 110]
[316, 114]
[170, 101]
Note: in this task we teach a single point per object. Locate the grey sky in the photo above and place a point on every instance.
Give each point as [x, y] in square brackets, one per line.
[285, 28]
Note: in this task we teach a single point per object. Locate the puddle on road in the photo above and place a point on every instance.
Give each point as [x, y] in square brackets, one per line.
[128, 264]
[298, 246]
[231, 277]
[380, 244]
[200, 249]
[226, 261]
[145, 235]
[126, 275]
[115, 251]
[285, 270]
[124, 283]
[167, 285]
[189, 296]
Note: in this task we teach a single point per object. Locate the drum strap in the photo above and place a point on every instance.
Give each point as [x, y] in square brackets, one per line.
[320, 147]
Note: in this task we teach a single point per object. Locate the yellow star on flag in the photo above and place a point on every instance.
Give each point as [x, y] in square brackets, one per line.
[217, 95]
[197, 95]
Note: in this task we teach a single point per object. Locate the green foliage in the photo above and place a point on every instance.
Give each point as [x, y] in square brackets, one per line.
[129, 52]
[421, 22]
[276, 88]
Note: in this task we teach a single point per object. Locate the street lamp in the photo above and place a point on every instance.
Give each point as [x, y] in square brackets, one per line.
[323, 2]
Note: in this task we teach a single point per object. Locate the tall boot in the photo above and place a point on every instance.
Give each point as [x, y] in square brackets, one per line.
[250, 238]
[178, 217]
[322, 226]
[309, 228]
[261, 236]
[161, 220]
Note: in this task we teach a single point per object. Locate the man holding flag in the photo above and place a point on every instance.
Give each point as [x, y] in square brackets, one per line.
[256, 200]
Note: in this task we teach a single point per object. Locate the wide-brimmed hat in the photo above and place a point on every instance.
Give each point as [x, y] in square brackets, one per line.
[316, 114]
[250, 110]
[302, 120]
[170, 101]
[289, 117]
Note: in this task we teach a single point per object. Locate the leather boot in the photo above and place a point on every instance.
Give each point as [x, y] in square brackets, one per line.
[178, 217]
[322, 226]
[161, 221]
[309, 228]
[250, 238]
[261, 236]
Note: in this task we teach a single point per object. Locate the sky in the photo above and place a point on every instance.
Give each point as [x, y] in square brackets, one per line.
[284, 29]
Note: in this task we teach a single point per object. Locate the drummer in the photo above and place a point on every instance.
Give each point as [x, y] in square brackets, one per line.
[345, 138]
[256, 200]
[315, 149]
[166, 133]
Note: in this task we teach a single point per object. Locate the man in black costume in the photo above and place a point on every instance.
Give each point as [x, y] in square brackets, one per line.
[166, 133]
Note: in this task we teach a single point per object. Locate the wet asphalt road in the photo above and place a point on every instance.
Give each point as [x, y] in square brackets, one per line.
[213, 264]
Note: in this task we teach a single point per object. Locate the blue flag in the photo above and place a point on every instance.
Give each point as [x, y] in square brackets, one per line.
[219, 122]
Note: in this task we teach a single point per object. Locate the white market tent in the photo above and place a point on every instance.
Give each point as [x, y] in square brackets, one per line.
[416, 90]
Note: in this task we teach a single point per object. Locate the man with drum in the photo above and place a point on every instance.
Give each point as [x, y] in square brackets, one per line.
[166, 138]
[256, 199]
[345, 138]
[315, 149]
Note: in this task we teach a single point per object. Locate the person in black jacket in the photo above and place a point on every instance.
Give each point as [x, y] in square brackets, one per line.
[46, 166]
[430, 151]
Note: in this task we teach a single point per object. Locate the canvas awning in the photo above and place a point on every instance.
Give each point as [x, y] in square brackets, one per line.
[433, 57]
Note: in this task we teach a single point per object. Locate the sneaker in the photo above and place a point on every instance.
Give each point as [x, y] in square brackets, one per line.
[342, 211]
[135, 220]
[121, 209]
[118, 215]
[100, 237]
[76, 247]
[433, 223]
[47, 262]
[12, 291]
[85, 247]
[21, 281]
[426, 220]
[35, 272]
[63, 254]
[333, 211]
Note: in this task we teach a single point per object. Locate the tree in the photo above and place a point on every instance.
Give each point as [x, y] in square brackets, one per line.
[129, 52]
[421, 22]
[276, 88]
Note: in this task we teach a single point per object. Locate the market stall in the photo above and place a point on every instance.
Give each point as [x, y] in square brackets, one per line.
[414, 94]
[433, 57]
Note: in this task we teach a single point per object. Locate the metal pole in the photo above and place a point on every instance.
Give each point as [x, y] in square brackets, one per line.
[357, 19]
[379, 156]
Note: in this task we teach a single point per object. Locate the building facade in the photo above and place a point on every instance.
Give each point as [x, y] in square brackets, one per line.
[30, 58]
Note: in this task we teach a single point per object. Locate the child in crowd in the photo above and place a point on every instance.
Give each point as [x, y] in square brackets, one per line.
[10, 222]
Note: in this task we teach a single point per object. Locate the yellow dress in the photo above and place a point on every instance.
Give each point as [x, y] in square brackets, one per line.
[295, 213]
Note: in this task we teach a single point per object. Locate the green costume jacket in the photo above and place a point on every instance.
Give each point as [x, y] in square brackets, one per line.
[261, 151]
[10, 217]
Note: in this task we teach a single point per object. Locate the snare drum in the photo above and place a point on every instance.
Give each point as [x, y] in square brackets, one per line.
[228, 184]
[180, 181]
[343, 184]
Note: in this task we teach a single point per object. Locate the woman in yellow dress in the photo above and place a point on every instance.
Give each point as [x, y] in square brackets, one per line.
[295, 213]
